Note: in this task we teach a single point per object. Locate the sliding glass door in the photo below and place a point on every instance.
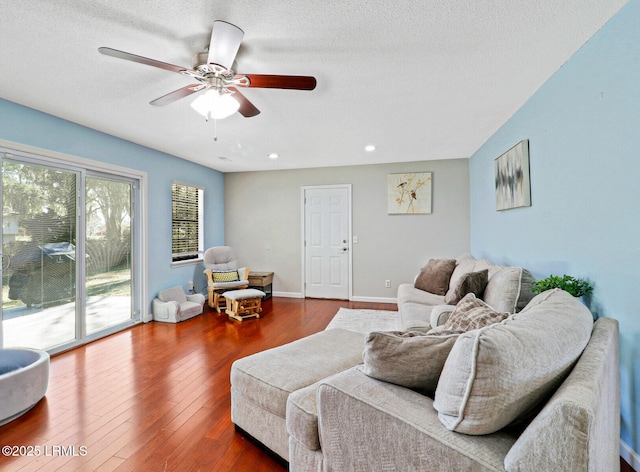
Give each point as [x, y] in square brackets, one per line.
[68, 272]
[108, 278]
[39, 235]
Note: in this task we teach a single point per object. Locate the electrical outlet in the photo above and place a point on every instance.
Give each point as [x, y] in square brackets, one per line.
[190, 284]
[387, 283]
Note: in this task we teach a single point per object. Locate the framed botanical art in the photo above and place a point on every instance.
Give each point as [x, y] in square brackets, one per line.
[513, 187]
[409, 193]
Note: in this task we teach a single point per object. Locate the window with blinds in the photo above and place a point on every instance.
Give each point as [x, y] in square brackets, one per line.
[186, 226]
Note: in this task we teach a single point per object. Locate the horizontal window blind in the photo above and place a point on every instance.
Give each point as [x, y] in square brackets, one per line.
[186, 225]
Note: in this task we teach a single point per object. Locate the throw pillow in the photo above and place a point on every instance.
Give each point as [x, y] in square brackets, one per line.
[503, 289]
[465, 263]
[470, 313]
[500, 374]
[473, 282]
[434, 276]
[411, 359]
[225, 276]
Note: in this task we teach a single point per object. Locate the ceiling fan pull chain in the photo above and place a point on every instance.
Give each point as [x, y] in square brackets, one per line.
[215, 129]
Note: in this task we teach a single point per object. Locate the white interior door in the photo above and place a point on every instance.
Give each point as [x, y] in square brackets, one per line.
[327, 242]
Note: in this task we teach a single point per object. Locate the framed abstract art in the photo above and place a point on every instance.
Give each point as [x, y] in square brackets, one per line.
[513, 186]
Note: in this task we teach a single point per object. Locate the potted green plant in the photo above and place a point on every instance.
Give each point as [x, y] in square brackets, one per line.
[576, 287]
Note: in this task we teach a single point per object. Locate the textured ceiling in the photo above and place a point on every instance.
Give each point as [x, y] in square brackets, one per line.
[419, 79]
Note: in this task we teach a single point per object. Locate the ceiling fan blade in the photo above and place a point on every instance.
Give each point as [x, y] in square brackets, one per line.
[177, 94]
[296, 82]
[224, 45]
[247, 109]
[142, 60]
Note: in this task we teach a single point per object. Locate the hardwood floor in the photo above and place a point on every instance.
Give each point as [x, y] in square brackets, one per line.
[156, 397]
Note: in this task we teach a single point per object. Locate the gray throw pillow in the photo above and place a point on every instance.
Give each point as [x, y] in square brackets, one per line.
[470, 313]
[435, 275]
[473, 282]
[411, 359]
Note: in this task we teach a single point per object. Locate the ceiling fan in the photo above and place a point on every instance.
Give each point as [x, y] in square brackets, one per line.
[215, 73]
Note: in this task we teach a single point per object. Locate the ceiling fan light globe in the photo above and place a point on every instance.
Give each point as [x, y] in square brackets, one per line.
[202, 105]
[214, 105]
[224, 106]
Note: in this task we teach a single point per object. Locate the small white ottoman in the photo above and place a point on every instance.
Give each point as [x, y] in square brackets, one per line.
[241, 304]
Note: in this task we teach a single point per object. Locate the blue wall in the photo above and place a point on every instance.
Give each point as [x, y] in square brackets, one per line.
[27, 126]
[583, 127]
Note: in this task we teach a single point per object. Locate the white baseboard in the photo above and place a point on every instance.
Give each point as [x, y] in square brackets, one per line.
[374, 299]
[288, 294]
[629, 455]
[353, 299]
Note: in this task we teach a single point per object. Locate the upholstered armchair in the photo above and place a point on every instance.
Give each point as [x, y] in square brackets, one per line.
[173, 305]
[223, 273]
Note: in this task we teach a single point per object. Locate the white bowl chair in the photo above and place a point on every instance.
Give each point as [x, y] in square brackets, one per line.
[173, 305]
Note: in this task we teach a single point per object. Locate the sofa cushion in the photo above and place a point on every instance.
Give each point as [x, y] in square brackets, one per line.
[465, 263]
[408, 358]
[407, 293]
[415, 316]
[503, 289]
[302, 416]
[515, 282]
[440, 314]
[499, 374]
[414, 307]
[470, 313]
[526, 292]
[434, 276]
[472, 282]
[268, 377]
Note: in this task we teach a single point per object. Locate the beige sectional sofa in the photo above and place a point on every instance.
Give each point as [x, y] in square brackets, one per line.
[538, 390]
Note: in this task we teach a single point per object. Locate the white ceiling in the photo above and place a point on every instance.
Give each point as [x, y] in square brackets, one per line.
[420, 79]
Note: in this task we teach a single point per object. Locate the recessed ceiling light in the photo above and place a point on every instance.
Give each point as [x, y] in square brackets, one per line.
[274, 155]
[369, 148]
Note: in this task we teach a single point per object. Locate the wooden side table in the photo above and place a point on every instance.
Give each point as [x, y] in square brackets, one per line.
[262, 281]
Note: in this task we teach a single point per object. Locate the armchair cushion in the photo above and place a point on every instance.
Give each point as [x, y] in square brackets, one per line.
[230, 285]
[220, 258]
[225, 276]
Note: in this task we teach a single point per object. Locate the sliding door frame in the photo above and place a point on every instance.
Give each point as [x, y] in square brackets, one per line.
[84, 168]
